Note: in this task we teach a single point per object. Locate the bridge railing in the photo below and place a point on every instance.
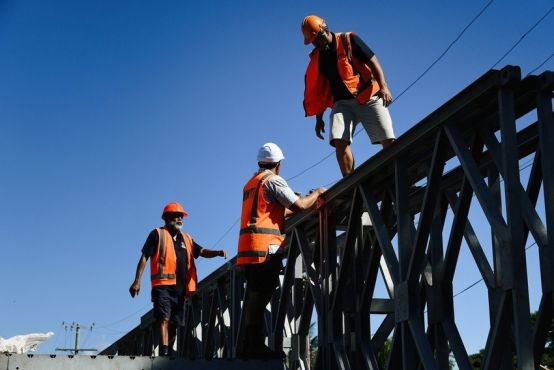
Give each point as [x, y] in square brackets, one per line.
[387, 220]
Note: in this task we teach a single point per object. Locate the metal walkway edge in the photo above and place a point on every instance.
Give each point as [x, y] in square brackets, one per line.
[383, 296]
[53, 362]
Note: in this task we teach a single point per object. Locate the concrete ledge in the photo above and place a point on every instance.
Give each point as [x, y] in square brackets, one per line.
[83, 362]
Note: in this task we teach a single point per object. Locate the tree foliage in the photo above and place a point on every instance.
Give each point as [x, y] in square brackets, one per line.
[547, 359]
[475, 359]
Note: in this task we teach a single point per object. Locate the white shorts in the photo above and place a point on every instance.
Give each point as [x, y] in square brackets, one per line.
[373, 115]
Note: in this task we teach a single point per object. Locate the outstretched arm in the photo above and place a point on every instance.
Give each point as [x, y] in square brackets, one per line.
[211, 253]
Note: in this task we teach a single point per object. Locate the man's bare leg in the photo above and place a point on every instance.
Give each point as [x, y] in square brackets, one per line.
[164, 336]
[344, 156]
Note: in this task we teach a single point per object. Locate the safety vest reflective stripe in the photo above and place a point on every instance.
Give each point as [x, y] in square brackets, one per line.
[346, 48]
[163, 276]
[259, 230]
[251, 254]
[356, 75]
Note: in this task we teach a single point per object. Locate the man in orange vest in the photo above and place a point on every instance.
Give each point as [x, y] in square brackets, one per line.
[345, 75]
[172, 272]
[267, 199]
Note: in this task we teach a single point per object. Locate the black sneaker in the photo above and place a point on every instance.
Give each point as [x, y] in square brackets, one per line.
[268, 353]
[164, 351]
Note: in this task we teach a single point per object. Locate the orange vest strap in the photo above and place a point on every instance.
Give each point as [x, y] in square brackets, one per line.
[254, 211]
[347, 47]
[161, 258]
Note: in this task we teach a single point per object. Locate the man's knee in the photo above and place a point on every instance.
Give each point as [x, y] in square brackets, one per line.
[386, 143]
[340, 145]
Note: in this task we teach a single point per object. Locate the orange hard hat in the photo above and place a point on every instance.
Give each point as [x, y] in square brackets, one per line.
[311, 26]
[174, 207]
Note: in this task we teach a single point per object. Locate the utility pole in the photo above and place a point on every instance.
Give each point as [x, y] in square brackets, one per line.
[77, 328]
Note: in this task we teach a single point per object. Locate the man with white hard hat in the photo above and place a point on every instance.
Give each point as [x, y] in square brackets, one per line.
[266, 200]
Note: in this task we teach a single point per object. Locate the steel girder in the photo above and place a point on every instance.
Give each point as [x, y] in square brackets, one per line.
[467, 153]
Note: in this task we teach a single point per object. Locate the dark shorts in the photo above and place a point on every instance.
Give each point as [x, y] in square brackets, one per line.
[168, 304]
[264, 277]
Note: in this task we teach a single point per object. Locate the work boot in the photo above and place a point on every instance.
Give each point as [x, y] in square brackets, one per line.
[268, 353]
[253, 337]
[164, 351]
[262, 353]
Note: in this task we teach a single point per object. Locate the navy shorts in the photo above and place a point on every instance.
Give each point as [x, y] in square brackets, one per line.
[264, 277]
[168, 304]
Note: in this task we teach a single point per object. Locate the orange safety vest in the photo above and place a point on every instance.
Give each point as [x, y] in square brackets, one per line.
[163, 264]
[262, 223]
[356, 76]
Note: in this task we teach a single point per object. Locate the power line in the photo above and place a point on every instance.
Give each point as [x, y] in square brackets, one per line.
[331, 183]
[226, 232]
[447, 49]
[65, 338]
[467, 288]
[522, 37]
[311, 166]
[480, 280]
[86, 338]
[111, 332]
[540, 65]
[107, 326]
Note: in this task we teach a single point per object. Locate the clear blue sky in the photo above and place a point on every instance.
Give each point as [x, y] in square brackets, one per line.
[108, 110]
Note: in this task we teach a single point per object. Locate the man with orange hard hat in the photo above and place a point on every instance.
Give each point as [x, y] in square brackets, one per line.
[172, 272]
[345, 75]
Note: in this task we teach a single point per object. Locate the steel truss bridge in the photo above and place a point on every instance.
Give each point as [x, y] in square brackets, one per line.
[465, 154]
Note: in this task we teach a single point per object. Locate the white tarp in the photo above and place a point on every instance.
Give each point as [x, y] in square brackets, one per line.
[23, 343]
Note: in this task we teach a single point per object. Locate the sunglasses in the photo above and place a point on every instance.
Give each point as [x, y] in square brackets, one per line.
[320, 38]
[172, 215]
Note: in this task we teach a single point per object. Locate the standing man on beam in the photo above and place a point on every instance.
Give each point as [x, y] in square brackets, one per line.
[172, 272]
[345, 75]
[267, 199]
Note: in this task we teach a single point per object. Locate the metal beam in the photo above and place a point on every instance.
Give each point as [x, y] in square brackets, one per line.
[334, 260]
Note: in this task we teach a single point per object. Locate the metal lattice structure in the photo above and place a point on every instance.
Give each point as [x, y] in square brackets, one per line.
[467, 154]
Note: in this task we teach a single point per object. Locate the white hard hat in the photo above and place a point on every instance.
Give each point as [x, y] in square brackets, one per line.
[270, 153]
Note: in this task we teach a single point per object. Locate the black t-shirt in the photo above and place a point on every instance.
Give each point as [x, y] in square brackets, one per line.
[151, 245]
[328, 64]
